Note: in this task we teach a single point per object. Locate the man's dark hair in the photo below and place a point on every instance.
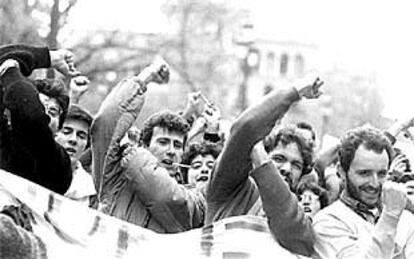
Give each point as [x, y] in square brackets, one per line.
[55, 88]
[290, 134]
[77, 113]
[306, 126]
[371, 138]
[199, 148]
[316, 189]
[165, 119]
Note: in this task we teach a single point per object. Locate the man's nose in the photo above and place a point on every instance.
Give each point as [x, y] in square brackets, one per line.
[204, 171]
[306, 200]
[285, 169]
[72, 139]
[374, 181]
[171, 150]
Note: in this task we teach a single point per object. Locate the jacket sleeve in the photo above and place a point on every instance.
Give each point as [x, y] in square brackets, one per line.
[29, 57]
[174, 206]
[115, 116]
[286, 218]
[30, 128]
[334, 239]
[233, 165]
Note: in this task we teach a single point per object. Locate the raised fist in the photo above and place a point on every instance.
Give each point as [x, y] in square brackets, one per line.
[394, 198]
[194, 104]
[79, 84]
[157, 72]
[311, 91]
[63, 61]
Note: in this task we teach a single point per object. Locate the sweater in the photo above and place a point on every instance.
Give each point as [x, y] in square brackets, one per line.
[27, 145]
[231, 191]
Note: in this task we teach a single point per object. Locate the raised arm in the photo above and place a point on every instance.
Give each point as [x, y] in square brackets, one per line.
[233, 166]
[116, 115]
[287, 221]
[29, 120]
[335, 239]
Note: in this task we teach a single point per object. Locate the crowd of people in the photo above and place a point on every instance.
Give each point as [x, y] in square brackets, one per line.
[186, 169]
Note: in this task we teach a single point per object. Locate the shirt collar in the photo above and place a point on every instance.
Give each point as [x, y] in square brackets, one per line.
[370, 215]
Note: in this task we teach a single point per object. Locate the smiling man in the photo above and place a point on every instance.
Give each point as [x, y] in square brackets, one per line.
[369, 220]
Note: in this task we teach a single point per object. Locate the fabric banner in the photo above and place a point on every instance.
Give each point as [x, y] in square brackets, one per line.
[70, 230]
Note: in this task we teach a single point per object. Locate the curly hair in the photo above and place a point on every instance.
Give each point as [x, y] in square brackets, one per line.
[316, 189]
[55, 88]
[290, 134]
[370, 137]
[199, 148]
[164, 119]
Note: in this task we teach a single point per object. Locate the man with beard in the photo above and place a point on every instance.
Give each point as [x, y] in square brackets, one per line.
[369, 220]
[249, 180]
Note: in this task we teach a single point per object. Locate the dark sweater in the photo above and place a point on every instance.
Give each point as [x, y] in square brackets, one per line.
[231, 191]
[27, 145]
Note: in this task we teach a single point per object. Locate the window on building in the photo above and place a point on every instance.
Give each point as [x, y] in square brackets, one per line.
[284, 59]
[267, 89]
[270, 60]
[299, 65]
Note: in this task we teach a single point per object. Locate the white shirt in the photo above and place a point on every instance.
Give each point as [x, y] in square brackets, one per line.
[82, 186]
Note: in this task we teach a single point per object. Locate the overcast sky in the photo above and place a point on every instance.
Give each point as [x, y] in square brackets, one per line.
[362, 36]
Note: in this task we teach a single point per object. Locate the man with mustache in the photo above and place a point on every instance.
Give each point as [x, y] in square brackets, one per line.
[249, 180]
[369, 220]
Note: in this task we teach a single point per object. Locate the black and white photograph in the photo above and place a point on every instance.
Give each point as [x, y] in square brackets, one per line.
[206, 129]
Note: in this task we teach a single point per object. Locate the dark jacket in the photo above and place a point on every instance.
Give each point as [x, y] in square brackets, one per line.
[231, 191]
[27, 145]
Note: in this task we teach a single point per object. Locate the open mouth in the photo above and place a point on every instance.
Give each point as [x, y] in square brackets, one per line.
[70, 151]
[167, 162]
[307, 209]
[202, 178]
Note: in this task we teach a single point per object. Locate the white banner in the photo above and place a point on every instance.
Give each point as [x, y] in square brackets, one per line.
[70, 230]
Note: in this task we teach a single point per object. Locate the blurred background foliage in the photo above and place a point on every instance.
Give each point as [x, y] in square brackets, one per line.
[197, 52]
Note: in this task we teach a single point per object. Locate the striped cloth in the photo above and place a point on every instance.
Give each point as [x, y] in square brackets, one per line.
[70, 230]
